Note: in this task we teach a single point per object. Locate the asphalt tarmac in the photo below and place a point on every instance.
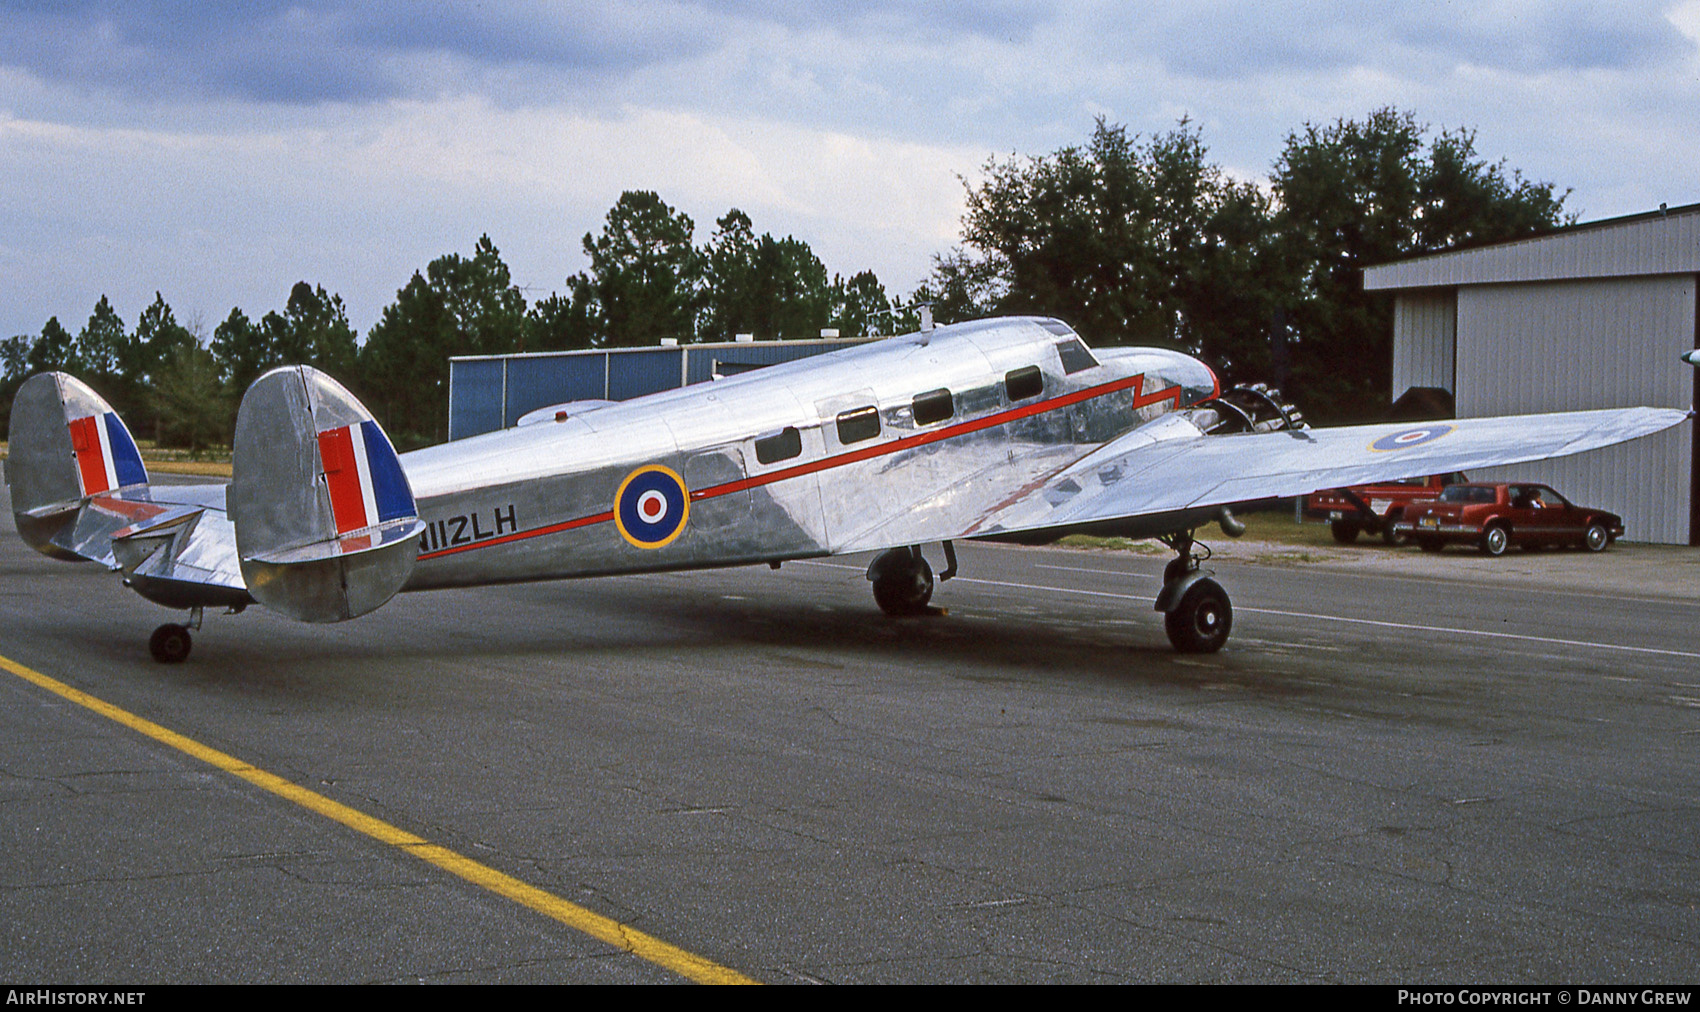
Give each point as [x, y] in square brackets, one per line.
[1394, 773]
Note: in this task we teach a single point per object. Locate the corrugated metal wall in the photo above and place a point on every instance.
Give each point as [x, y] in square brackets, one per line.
[1425, 328]
[1575, 345]
[1642, 245]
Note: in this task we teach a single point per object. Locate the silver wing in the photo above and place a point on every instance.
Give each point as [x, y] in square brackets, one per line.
[1167, 475]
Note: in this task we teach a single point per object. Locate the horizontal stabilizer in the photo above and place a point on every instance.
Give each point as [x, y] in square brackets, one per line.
[326, 527]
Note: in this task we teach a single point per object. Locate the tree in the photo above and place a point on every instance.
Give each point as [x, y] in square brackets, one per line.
[241, 352]
[158, 337]
[14, 369]
[1353, 195]
[772, 288]
[860, 306]
[644, 274]
[54, 351]
[459, 306]
[562, 322]
[188, 400]
[14, 356]
[1128, 240]
[104, 346]
[312, 330]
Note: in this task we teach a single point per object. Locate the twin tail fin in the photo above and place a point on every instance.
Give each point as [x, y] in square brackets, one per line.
[326, 525]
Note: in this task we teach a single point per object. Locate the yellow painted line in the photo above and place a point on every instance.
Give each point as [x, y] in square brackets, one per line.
[604, 929]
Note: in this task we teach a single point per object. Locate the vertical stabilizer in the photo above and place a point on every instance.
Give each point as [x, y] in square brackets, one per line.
[325, 521]
[66, 445]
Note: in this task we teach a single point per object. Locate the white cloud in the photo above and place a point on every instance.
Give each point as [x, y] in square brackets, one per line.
[379, 143]
[363, 197]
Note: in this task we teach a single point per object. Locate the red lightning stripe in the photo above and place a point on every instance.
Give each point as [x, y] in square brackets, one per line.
[1134, 383]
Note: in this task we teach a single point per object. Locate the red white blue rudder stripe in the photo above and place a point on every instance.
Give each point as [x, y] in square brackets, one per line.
[363, 477]
[106, 456]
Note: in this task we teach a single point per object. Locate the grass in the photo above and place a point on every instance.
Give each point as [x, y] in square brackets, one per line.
[211, 463]
[1275, 526]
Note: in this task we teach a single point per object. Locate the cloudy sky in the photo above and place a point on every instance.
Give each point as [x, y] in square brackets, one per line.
[219, 153]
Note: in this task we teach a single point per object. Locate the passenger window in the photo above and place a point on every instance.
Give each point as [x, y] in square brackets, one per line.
[858, 424]
[1023, 383]
[933, 406]
[783, 445]
[1075, 357]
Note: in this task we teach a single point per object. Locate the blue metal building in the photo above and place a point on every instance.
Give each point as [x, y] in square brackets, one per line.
[490, 392]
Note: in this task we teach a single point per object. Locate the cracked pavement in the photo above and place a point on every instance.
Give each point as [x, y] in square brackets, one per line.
[759, 768]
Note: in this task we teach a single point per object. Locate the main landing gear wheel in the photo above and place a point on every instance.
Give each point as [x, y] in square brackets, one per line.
[1201, 622]
[170, 644]
[903, 582]
[1196, 612]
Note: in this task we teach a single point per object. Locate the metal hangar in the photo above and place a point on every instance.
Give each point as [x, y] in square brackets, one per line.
[1594, 315]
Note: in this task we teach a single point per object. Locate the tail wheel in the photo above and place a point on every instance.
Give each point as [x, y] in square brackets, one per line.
[1596, 537]
[1201, 622]
[170, 644]
[904, 589]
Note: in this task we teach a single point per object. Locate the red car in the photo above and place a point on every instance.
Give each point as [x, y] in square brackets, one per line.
[1494, 517]
[1373, 508]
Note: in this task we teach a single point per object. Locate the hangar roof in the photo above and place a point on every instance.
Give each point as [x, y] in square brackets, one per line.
[1666, 241]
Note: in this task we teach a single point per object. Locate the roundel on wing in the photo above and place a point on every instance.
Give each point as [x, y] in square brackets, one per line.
[1407, 438]
[651, 506]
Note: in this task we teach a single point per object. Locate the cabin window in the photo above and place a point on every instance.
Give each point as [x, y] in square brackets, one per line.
[782, 445]
[858, 424]
[1023, 383]
[1075, 357]
[933, 406]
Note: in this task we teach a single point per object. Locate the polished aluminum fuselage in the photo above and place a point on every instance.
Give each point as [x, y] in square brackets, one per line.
[539, 501]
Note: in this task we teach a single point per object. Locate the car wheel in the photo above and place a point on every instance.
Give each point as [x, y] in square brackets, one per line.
[1345, 531]
[1495, 540]
[1596, 537]
[1391, 536]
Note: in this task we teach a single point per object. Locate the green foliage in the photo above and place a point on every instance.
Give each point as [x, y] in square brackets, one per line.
[562, 322]
[860, 306]
[313, 330]
[55, 350]
[644, 274]
[772, 288]
[189, 400]
[1130, 241]
[459, 306]
[104, 347]
[1353, 195]
[1145, 241]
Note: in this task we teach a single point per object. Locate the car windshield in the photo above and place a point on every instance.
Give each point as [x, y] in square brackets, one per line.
[1467, 494]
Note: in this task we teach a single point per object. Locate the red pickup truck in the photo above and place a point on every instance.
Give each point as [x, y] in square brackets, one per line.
[1373, 508]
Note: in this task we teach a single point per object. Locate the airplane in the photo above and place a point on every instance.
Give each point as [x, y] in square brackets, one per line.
[1005, 429]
